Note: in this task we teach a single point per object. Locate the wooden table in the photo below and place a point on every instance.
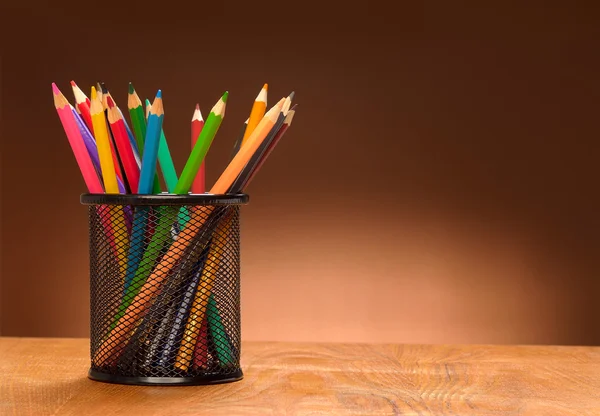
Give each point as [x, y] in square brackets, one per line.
[48, 377]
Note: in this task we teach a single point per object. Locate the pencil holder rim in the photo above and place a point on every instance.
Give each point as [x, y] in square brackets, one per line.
[164, 199]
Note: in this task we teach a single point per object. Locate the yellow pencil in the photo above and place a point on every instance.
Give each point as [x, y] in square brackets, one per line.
[102, 141]
[257, 113]
[109, 176]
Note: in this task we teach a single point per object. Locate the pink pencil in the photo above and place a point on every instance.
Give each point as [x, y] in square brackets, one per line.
[92, 181]
[82, 156]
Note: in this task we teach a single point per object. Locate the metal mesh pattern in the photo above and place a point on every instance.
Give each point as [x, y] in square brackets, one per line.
[165, 291]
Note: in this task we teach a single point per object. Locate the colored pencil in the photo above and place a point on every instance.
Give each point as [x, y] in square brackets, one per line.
[84, 161]
[286, 124]
[113, 148]
[99, 92]
[199, 184]
[151, 145]
[132, 173]
[103, 143]
[82, 103]
[198, 309]
[171, 346]
[134, 147]
[242, 179]
[138, 121]
[238, 142]
[166, 162]
[136, 114]
[201, 348]
[82, 156]
[146, 180]
[211, 126]
[245, 153]
[147, 108]
[218, 334]
[111, 181]
[257, 113]
[88, 140]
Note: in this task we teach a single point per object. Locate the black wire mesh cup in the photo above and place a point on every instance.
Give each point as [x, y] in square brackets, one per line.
[165, 288]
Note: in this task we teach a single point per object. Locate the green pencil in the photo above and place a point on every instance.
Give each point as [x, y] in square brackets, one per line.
[211, 126]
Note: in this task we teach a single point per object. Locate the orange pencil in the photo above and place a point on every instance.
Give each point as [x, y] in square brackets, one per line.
[257, 113]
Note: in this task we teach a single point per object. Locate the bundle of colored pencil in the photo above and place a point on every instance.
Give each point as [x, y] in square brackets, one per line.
[148, 243]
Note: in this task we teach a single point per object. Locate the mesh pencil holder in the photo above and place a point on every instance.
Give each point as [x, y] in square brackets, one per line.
[165, 288]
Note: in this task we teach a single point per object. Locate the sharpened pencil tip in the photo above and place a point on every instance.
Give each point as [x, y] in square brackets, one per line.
[266, 87]
[159, 94]
[197, 116]
[225, 96]
[73, 84]
[104, 89]
[94, 94]
[55, 89]
[110, 102]
[291, 96]
[131, 89]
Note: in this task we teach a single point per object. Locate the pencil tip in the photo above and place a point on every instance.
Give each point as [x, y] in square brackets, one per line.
[159, 94]
[131, 89]
[55, 89]
[73, 84]
[94, 94]
[104, 89]
[266, 87]
[224, 97]
[110, 102]
[198, 107]
[291, 96]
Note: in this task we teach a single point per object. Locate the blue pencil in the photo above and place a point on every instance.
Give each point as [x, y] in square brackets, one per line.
[150, 154]
[151, 143]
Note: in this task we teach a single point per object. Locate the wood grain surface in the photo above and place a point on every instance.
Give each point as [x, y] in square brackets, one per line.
[41, 376]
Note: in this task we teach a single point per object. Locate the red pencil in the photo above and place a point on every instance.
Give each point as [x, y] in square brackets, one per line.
[117, 126]
[82, 104]
[198, 186]
[201, 347]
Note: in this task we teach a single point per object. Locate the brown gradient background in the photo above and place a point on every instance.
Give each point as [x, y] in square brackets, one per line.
[440, 182]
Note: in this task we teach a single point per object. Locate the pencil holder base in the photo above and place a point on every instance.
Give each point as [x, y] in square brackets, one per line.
[166, 381]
